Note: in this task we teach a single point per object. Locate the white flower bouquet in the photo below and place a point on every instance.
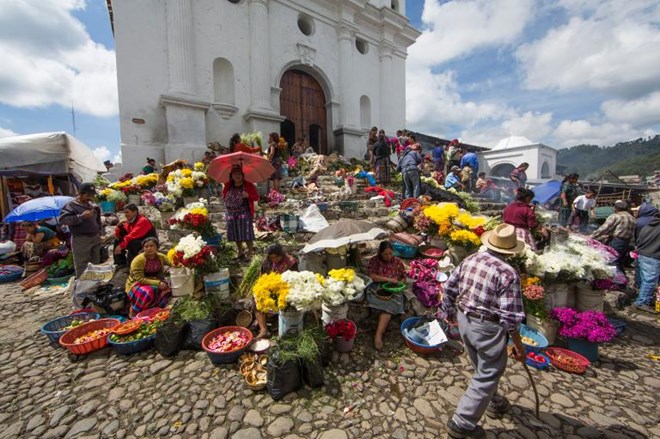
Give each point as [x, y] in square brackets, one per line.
[341, 286]
[306, 289]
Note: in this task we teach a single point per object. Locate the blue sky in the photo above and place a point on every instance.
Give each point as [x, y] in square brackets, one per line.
[562, 72]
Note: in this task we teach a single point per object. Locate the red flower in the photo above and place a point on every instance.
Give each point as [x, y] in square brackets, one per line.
[341, 328]
[479, 231]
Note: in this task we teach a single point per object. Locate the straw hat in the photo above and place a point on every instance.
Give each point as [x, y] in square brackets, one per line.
[503, 240]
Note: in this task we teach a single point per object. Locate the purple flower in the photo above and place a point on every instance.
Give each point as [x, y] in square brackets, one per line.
[588, 325]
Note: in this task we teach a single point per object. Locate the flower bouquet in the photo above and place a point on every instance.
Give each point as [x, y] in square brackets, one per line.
[199, 166]
[146, 181]
[341, 286]
[533, 298]
[465, 238]
[127, 187]
[270, 292]
[180, 183]
[283, 148]
[195, 217]
[162, 202]
[591, 326]
[192, 252]
[252, 139]
[305, 289]
[342, 332]
[111, 195]
[274, 198]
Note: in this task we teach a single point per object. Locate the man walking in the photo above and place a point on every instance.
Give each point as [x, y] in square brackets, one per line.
[470, 160]
[485, 291]
[648, 264]
[409, 163]
[617, 231]
[84, 220]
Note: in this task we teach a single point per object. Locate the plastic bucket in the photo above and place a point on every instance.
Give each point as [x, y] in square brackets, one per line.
[587, 349]
[218, 283]
[183, 281]
[547, 329]
[589, 299]
[342, 345]
[560, 295]
[290, 322]
[108, 206]
[331, 313]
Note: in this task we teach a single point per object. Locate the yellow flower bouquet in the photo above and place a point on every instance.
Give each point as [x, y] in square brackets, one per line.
[270, 292]
[465, 238]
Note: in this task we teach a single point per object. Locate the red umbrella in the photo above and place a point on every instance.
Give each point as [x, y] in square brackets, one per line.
[255, 168]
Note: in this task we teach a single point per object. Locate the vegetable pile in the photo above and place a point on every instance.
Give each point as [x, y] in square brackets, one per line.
[535, 357]
[228, 341]
[92, 335]
[528, 341]
[145, 331]
[61, 268]
[75, 324]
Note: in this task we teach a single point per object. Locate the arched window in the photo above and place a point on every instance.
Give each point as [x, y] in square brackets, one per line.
[545, 170]
[365, 112]
[305, 24]
[362, 46]
[223, 81]
[395, 5]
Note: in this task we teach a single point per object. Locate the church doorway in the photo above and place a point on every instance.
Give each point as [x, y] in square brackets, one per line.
[303, 104]
[502, 170]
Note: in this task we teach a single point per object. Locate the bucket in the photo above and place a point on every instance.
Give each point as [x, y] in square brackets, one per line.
[587, 349]
[134, 199]
[560, 295]
[183, 281]
[218, 283]
[108, 206]
[588, 299]
[331, 313]
[290, 322]
[548, 329]
[165, 217]
[343, 345]
[213, 241]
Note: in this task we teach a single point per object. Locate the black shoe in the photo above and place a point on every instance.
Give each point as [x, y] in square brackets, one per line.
[497, 407]
[645, 308]
[461, 433]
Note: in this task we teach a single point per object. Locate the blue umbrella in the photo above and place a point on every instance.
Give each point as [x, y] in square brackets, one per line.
[38, 209]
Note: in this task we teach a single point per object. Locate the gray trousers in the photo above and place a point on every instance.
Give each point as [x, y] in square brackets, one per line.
[411, 184]
[85, 249]
[485, 343]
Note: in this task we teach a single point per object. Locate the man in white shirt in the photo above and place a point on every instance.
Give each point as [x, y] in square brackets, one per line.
[583, 208]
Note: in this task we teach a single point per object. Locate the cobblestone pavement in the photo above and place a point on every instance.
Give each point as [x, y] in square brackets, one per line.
[393, 394]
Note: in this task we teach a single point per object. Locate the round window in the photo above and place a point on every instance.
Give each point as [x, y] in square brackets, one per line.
[362, 46]
[235, 1]
[305, 24]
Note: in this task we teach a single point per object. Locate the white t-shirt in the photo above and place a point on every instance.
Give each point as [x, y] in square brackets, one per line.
[584, 203]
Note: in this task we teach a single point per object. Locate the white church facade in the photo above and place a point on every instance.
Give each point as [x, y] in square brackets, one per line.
[512, 151]
[193, 72]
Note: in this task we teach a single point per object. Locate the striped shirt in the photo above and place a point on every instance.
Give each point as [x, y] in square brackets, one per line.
[484, 284]
[621, 225]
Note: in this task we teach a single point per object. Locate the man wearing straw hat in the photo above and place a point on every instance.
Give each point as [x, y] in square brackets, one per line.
[485, 290]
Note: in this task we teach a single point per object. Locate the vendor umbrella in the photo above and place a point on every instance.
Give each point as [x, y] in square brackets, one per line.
[38, 209]
[343, 232]
[255, 168]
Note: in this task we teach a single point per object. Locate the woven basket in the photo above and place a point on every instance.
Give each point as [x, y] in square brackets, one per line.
[34, 280]
[566, 360]
[31, 267]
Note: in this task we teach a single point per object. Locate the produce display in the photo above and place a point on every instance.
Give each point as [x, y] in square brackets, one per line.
[228, 341]
[536, 357]
[75, 324]
[529, 341]
[61, 268]
[92, 335]
[127, 327]
[145, 330]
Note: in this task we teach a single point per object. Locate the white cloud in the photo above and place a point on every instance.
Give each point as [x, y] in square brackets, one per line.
[102, 153]
[117, 158]
[455, 28]
[639, 112]
[577, 132]
[50, 59]
[535, 126]
[5, 132]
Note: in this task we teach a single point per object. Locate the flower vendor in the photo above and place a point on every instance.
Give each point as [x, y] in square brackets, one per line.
[453, 179]
[521, 215]
[382, 164]
[150, 167]
[277, 261]
[275, 158]
[146, 287]
[129, 235]
[239, 196]
[617, 231]
[384, 268]
[38, 240]
[236, 145]
[485, 296]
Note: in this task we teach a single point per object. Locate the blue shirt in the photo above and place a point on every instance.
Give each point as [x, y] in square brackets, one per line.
[452, 181]
[409, 160]
[438, 154]
[470, 159]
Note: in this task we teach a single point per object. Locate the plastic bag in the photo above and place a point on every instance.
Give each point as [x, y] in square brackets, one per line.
[169, 338]
[91, 277]
[312, 220]
[312, 373]
[283, 379]
[197, 329]
[106, 299]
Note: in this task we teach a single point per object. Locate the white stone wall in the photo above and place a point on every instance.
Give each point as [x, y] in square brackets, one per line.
[165, 62]
[535, 155]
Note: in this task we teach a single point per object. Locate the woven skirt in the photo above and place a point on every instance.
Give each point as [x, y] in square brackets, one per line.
[239, 227]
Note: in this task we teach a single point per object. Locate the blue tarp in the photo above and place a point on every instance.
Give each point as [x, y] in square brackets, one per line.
[547, 191]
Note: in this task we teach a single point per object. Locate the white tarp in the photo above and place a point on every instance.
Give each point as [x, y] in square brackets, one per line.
[48, 154]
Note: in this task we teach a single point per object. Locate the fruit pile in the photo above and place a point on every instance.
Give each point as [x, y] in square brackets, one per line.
[92, 335]
[535, 357]
[228, 341]
[146, 330]
[529, 341]
[76, 323]
[127, 327]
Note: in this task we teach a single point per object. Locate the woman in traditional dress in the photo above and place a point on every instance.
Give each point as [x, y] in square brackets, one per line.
[568, 194]
[275, 159]
[277, 261]
[521, 215]
[38, 240]
[146, 286]
[382, 153]
[385, 268]
[240, 196]
[371, 141]
[518, 176]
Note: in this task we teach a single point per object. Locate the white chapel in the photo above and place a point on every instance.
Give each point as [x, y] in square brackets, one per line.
[511, 151]
[196, 71]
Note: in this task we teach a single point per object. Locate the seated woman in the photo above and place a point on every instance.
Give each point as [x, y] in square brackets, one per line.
[277, 261]
[130, 234]
[383, 268]
[146, 287]
[38, 240]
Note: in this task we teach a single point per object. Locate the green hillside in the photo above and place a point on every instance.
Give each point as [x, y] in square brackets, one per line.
[641, 157]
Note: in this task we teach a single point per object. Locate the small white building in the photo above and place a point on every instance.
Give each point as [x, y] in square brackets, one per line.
[510, 152]
[193, 72]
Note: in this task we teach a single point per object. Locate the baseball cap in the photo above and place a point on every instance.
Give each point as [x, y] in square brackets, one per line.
[87, 188]
[455, 168]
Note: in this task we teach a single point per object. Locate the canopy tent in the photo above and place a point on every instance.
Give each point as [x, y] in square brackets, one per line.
[547, 191]
[48, 154]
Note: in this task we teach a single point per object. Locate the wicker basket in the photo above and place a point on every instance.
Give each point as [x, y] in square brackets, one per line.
[55, 328]
[34, 280]
[31, 267]
[67, 340]
[566, 360]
